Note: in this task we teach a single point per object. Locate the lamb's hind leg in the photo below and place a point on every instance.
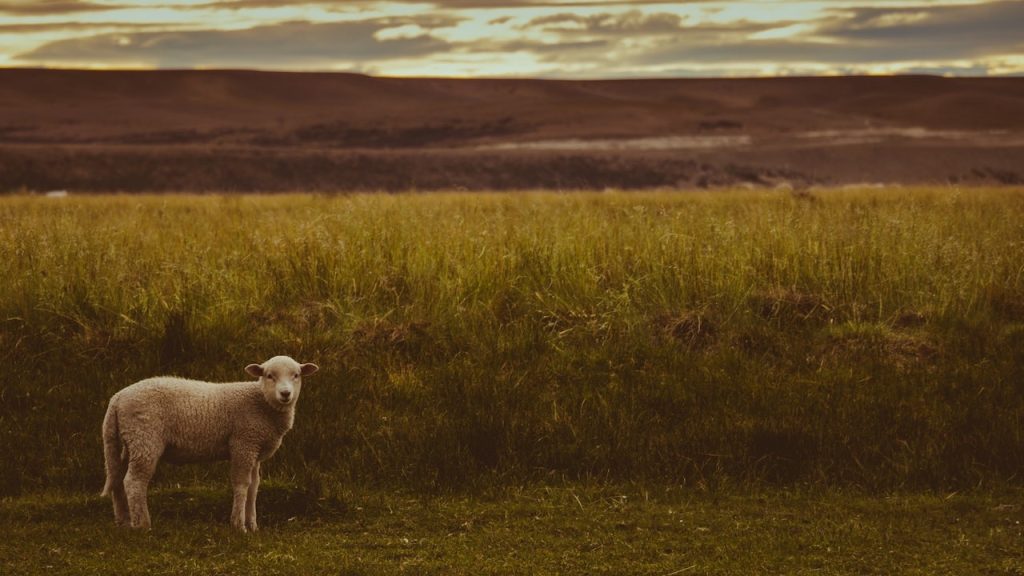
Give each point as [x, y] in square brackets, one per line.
[250, 501]
[117, 493]
[141, 467]
[121, 514]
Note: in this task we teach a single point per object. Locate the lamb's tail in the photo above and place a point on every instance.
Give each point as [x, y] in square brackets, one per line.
[113, 450]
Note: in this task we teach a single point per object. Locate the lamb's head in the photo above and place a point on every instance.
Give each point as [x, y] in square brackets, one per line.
[281, 378]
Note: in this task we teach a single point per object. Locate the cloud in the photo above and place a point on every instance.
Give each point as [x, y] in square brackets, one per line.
[50, 7]
[541, 36]
[246, 4]
[963, 31]
[552, 4]
[439, 4]
[632, 22]
[973, 70]
[290, 44]
[867, 35]
[50, 26]
[560, 49]
[630, 38]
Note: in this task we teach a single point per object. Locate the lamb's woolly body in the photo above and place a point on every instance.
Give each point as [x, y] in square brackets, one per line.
[181, 421]
[193, 421]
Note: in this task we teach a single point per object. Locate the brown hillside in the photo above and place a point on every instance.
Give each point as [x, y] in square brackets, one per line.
[266, 130]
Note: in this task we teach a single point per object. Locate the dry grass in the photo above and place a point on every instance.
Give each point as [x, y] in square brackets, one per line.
[869, 337]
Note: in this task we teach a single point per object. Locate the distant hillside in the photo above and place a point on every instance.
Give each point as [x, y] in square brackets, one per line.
[244, 130]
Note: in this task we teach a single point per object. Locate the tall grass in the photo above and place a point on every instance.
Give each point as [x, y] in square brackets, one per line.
[871, 337]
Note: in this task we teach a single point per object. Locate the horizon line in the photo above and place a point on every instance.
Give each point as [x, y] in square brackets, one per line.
[131, 69]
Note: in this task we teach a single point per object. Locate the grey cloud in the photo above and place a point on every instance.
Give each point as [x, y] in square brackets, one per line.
[637, 73]
[48, 7]
[975, 70]
[967, 30]
[295, 44]
[441, 20]
[845, 38]
[863, 36]
[48, 26]
[594, 35]
[550, 4]
[244, 4]
[632, 22]
[662, 28]
[786, 51]
[442, 4]
[777, 51]
[559, 48]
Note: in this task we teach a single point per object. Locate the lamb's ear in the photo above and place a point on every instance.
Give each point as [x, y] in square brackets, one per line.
[308, 368]
[254, 370]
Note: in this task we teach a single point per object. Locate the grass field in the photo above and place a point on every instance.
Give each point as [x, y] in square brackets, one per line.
[607, 530]
[657, 383]
[865, 338]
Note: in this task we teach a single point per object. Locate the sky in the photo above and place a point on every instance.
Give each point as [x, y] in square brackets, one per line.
[522, 38]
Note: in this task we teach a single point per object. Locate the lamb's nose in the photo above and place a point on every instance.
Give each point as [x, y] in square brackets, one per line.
[285, 394]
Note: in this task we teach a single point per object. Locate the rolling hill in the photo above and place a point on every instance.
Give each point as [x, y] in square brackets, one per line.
[246, 130]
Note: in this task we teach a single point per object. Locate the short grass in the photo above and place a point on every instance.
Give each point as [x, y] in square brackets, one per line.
[566, 530]
[864, 338]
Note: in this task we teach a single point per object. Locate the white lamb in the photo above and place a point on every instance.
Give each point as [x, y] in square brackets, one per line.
[190, 421]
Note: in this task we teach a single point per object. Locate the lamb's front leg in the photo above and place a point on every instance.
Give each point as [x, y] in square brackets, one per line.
[242, 464]
[250, 501]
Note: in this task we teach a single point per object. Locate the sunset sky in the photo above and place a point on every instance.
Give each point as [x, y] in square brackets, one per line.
[567, 39]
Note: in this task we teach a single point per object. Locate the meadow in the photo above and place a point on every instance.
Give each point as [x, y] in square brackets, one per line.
[658, 531]
[871, 338]
[661, 383]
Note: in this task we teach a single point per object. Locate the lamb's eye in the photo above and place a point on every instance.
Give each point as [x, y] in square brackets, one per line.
[271, 376]
[296, 375]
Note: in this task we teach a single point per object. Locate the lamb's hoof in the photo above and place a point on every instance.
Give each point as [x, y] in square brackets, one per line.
[252, 526]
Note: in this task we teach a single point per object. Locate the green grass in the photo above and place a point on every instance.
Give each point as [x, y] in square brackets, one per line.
[868, 338]
[570, 530]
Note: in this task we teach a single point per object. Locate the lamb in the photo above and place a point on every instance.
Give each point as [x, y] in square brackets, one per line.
[183, 421]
